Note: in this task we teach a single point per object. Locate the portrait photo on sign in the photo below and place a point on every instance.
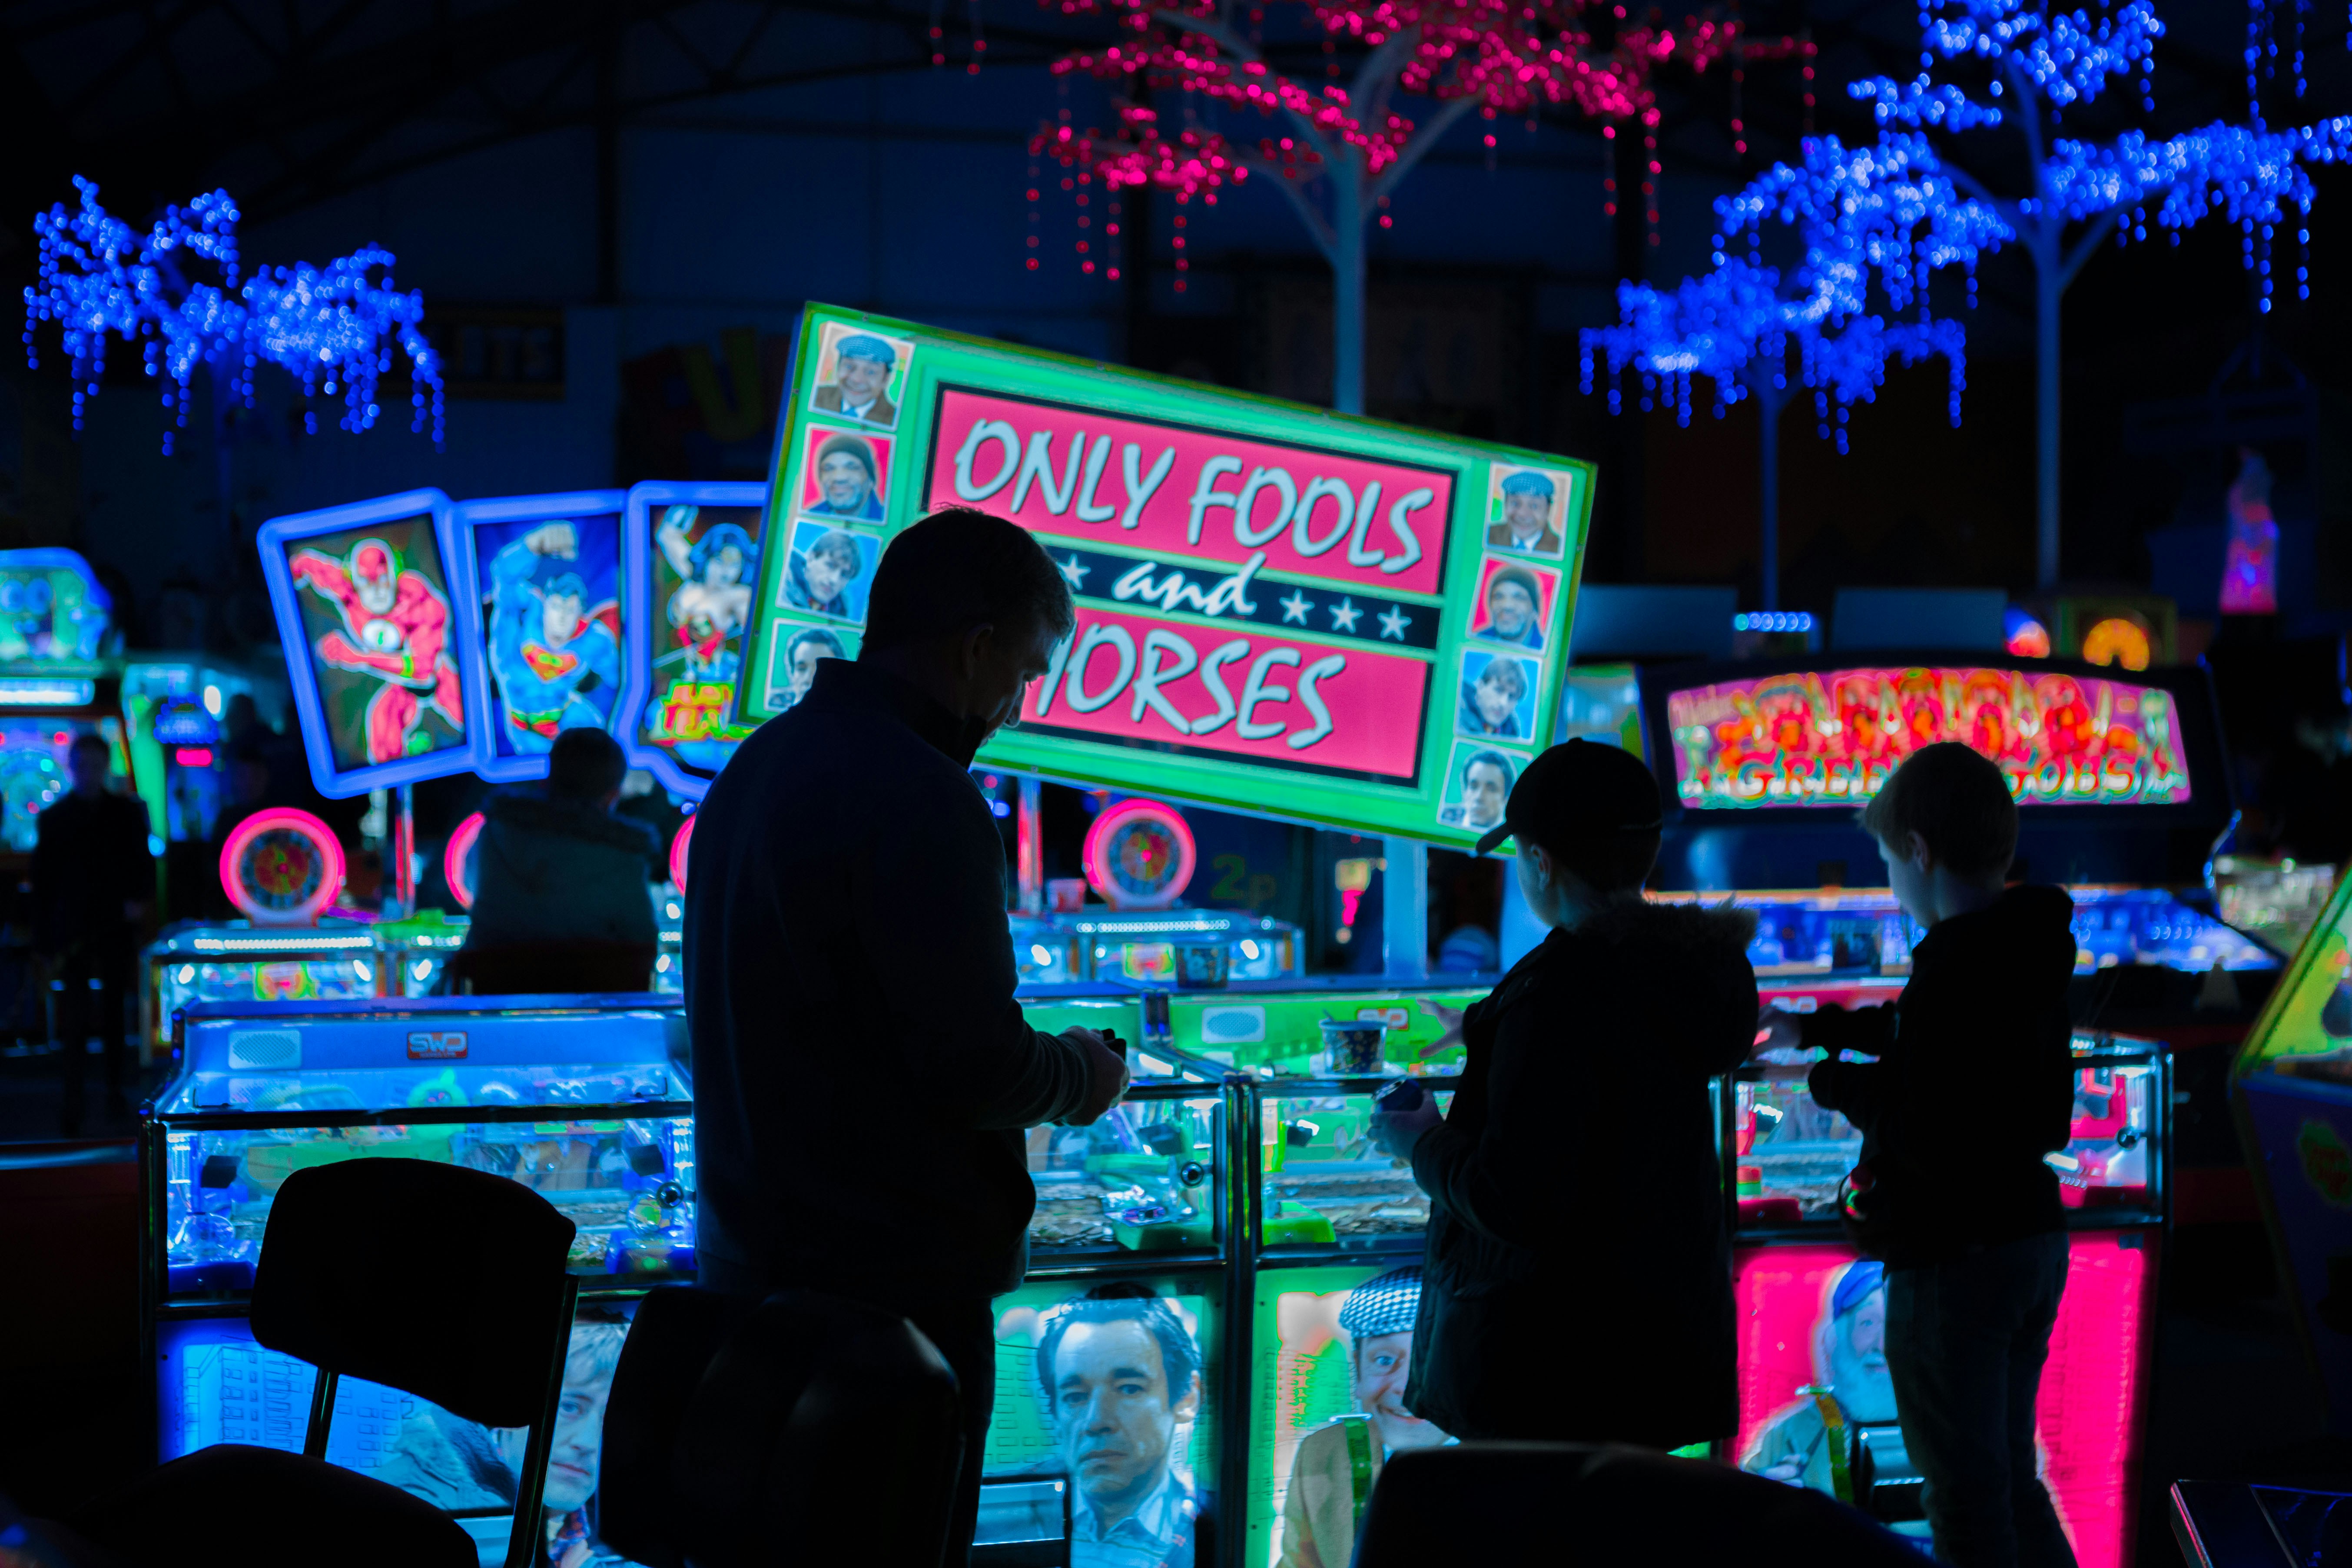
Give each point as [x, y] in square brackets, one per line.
[795, 648]
[1479, 780]
[831, 570]
[381, 626]
[1109, 1388]
[1498, 695]
[1527, 510]
[845, 474]
[1513, 603]
[551, 598]
[706, 562]
[860, 375]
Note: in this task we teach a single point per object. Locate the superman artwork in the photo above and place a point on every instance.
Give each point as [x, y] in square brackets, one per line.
[377, 613]
[552, 628]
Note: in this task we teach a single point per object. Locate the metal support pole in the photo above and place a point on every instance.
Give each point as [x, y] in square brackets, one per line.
[1029, 847]
[1404, 910]
[403, 850]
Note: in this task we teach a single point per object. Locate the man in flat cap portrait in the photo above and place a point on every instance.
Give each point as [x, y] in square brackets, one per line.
[849, 479]
[1528, 499]
[1329, 1479]
[861, 373]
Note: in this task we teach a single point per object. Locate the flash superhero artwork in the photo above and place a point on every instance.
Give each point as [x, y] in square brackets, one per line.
[396, 629]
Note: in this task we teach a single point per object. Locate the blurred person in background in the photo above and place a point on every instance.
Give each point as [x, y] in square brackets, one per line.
[93, 882]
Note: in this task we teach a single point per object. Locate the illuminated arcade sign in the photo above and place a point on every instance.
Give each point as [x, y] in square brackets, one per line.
[52, 608]
[1831, 738]
[1279, 609]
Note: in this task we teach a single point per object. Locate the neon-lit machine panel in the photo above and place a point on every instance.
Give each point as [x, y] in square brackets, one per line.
[335, 962]
[586, 1099]
[2291, 1091]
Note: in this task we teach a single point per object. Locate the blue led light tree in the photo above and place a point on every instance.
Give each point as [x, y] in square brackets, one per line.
[2033, 66]
[1875, 223]
[333, 328]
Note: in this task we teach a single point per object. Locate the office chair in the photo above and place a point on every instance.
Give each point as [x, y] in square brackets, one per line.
[1575, 1505]
[481, 1328]
[801, 1426]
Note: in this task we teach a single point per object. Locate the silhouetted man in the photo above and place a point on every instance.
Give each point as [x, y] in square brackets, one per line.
[92, 881]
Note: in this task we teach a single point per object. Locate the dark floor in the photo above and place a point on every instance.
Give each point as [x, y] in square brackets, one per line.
[32, 1097]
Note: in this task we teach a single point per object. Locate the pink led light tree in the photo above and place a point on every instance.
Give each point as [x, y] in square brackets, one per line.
[1338, 148]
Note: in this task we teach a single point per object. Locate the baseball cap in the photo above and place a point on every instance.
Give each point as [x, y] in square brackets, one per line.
[1579, 790]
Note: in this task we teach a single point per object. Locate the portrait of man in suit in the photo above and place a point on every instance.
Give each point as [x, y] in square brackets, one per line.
[1529, 499]
[862, 365]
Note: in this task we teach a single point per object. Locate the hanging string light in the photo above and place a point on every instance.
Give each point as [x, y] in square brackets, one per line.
[334, 329]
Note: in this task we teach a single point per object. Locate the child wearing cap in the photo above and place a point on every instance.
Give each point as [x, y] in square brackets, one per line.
[1959, 1201]
[1577, 1274]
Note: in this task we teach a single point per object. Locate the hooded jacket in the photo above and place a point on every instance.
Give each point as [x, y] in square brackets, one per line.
[550, 870]
[1577, 1275]
[1958, 1165]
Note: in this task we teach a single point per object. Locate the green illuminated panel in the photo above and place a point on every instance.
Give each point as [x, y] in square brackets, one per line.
[1283, 1029]
[1281, 610]
[2309, 1013]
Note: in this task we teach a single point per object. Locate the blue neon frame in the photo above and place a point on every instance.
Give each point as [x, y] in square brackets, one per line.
[637, 547]
[302, 675]
[554, 508]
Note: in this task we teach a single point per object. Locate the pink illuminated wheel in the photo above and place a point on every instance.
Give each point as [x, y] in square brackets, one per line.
[677, 848]
[457, 860]
[1140, 855]
[281, 867]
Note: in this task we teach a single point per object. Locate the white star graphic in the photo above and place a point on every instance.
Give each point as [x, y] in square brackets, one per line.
[1075, 572]
[1294, 607]
[1393, 621]
[1343, 616]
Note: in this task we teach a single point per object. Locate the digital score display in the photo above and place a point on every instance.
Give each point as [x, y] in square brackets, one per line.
[1279, 609]
[1832, 737]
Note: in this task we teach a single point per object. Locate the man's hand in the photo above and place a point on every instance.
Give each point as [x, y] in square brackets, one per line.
[560, 540]
[1779, 1031]
[1449, 1016]
[1395, 1132]
[1105, 1076]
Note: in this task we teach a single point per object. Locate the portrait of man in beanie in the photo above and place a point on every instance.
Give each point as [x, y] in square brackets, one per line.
[848, 478]
[1319, 1511]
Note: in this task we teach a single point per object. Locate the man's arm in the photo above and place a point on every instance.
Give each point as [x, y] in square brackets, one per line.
[1869, 1030]
[930, 885]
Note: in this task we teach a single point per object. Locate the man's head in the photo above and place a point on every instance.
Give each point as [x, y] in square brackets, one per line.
[968, 607]
[1527, 502]
[375, 576]
[562, 605]
[1486, 780]
[831, 564]
[1945, 808]
[1378, 1318]
[1499, 690]
[577, 1454]
[1511, 599]
[1587, 818]
[585, 766]
[1850, 1346]
[723, 557]
[861, 368]
[88, 762]
[801, 654]
[847, 473]
[1119, 1373]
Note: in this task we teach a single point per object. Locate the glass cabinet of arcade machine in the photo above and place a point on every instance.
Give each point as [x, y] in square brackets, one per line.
[587, 1099]
[1126, 1266]
[1812, 1309]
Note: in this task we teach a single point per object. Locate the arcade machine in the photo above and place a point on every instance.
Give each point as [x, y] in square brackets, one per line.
[2291, 1089]
[588, 1100]
[1282, 613]
[2119, 782]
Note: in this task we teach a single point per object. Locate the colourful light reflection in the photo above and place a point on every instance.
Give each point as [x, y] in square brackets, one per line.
[1832, 737]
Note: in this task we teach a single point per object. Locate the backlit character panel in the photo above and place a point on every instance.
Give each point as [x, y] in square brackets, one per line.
[545, 582]
[1831, 738]
[695, 550]
[375, 647]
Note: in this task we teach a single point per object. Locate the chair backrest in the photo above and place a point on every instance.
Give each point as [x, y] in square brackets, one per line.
[807, 1421]
[674, 1336]
[479, 1343]
[1561, 1505]
[551, 967]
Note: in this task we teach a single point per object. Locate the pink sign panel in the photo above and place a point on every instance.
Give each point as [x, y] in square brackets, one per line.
[2087, 1414]
[1078, 472]
[1137, 681]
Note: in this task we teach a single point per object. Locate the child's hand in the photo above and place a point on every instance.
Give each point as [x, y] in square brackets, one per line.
[1779, 1031]
[1394, 1132]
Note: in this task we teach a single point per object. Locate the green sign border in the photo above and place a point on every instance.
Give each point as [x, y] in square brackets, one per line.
[998, 369]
